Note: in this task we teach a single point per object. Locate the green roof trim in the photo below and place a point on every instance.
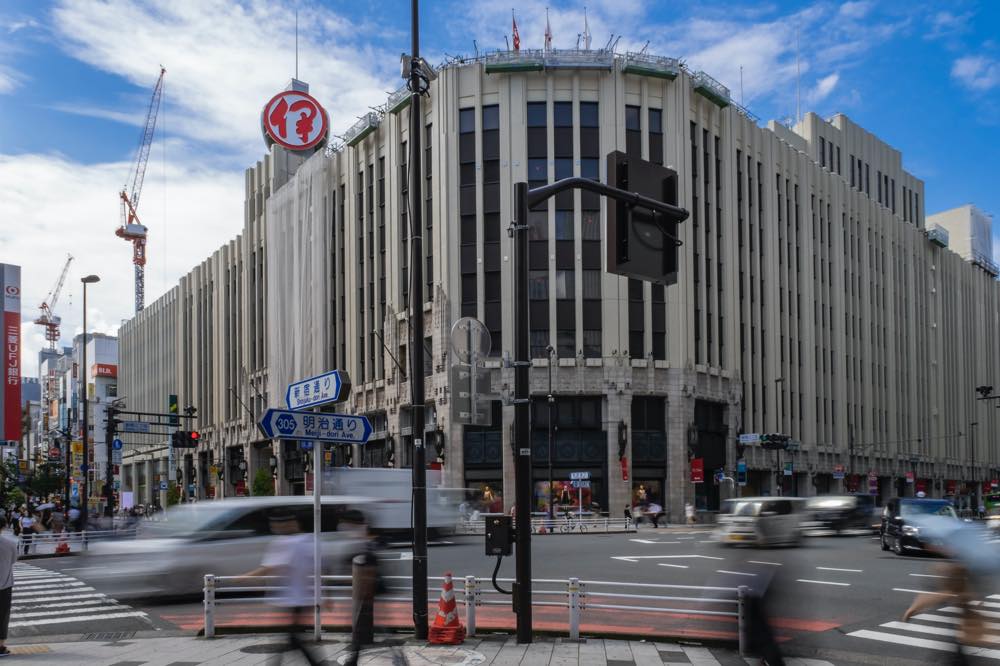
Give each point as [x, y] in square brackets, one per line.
[492, 68]
[361, 136]
[712, 96]
[401, 104]
[649, 71]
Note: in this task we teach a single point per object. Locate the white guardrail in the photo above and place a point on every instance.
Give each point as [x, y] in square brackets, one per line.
[47, 543]
[560, 526]
[573, 594]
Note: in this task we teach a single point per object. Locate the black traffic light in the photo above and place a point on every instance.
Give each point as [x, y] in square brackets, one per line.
[642, 244]
[185, 439]
[499, 535]
[774, 442]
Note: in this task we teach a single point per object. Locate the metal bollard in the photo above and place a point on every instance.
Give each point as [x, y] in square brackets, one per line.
[574, 607]
[362, 601]
[209, 606]
[471, 599]
[741, 612]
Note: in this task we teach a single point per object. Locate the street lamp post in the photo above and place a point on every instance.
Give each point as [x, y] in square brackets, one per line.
[551, 401]
[779, 473]
[85, 494]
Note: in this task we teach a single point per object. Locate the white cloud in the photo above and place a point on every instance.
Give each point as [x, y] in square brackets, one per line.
[823, 88]
[854, 10]
[225, 60]
[976, 72]
[944, 24]
[55, 206]
[10, 79]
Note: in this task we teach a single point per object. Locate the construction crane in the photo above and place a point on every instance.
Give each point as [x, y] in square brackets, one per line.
[47, 319]
[131, 229]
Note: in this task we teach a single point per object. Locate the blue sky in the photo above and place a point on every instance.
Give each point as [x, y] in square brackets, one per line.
[75, 78]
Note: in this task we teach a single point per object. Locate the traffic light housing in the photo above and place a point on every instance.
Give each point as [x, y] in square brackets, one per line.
[185, 439]
[642, 244]
[774, 441]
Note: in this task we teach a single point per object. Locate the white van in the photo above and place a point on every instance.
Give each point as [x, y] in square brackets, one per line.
[761, 521]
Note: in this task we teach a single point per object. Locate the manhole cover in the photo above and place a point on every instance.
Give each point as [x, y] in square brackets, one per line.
[416, 655]
[109, 636]
[266, 648]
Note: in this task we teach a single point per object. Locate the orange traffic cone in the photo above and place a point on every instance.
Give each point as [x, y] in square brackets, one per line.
[446, 630]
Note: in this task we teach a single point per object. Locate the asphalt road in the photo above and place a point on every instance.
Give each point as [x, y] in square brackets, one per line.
[821, 593]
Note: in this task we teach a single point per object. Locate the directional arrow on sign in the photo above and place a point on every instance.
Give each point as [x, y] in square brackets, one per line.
[344, 428]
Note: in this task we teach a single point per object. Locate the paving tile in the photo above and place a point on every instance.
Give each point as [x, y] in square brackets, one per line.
[510, 654]
[668, 647]
[565, 654]
[701, 656]
[674, 657]
[592, 652]
[618, 651]
[538, 653]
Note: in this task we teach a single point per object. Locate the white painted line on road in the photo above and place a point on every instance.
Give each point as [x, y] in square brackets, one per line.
[986, 604]
[773, 564]
[927, 576]
[69, 611]
[994, 596]
[25, 595]
[651, 541]
[930, 617]
[76, 569]
[77, 618]
[77, 603]
[685, 538]
[821, 582]
[836, 569]
[905, 589]
[636, 558]
[904, 640]
[675, 566]
[953, 609]
[707, 541]
[64, 597]
[735, 573]
[42, 586]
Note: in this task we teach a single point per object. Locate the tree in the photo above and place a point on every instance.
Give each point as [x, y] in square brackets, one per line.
[173, 494]
[263, 484]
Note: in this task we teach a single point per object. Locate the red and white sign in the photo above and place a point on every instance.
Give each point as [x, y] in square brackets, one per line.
[54, 452]
[294, 120]
[10, 397]
[909, 477]
[697, 470]
[949, 487]
[624, 469]
[104, 370]
[920, 486]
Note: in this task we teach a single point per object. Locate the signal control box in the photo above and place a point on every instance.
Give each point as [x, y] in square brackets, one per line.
[499, 535]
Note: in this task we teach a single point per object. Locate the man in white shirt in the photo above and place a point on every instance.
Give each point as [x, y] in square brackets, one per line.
[290, 557]
[8, 556]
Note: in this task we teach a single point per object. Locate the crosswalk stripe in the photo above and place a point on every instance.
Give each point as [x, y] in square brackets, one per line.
[66, 604]
[954, 609]
[903, 640]
[993, 626]
[77, 618]
[69, 611]
[38, 593]
[75, 596]
[42, 586]
[939, 631]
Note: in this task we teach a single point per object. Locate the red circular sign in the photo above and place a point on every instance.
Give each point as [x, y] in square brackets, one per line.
[294, 120]
[54, 452]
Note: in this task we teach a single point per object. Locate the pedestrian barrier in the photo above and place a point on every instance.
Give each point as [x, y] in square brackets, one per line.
[53, 543]
[575, 595]
[560, 526]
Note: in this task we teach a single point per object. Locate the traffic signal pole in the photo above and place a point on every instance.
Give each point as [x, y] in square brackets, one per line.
[416, 308]
[109, 436]
[524, 199]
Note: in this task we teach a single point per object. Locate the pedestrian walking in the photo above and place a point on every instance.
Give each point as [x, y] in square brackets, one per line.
[628, 516]
[365, 585]
[28, 529]
[290, 557]
[8, 556]
[689, 514]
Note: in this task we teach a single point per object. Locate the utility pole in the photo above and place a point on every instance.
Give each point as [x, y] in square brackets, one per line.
[110, 430]
[85, 494]
[416, 307]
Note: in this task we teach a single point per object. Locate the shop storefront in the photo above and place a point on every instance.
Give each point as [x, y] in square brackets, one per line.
[649, 452]
[578, 445]
[707, 441]
[482, 448]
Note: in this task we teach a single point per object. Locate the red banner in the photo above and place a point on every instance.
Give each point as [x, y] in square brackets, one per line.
[697, 470]
[949, 488]
[920, 486]
[624, 469]
[12, 375]
[987, 487]
[104, 370]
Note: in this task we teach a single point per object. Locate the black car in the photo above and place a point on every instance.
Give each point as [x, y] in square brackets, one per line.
[841, 513]
[898, 532]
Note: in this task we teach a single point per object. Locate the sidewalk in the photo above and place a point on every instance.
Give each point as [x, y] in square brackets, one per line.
[154, 649]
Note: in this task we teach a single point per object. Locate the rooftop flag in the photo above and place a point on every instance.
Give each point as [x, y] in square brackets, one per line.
[517, 37]
[548, 31]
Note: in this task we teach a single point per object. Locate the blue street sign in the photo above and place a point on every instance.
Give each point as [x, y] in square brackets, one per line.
[135, 426]
[319, 427]
[163, 485]
[84, 468]
[116, 444]
[306, 445]
[315, 391]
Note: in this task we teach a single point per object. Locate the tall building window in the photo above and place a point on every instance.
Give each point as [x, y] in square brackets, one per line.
[822, 152]
[370, 234]
[380, 321]
[491, 226]
[565, 276]
[538, 219]
[636, 310]
[656, 136]
[428, 240]
[360, 258]
[467, 210]
[633, 131]
[590, 230]
[404, 229]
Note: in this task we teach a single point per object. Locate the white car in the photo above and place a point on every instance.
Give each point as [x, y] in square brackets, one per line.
[761, 521]
[225, 537]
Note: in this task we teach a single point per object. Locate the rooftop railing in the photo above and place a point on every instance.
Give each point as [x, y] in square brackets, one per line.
[938, 235]
[359, 130]
[711, 88]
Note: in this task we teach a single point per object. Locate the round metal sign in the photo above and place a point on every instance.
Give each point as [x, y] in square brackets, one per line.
[294, 120]
[470, 340]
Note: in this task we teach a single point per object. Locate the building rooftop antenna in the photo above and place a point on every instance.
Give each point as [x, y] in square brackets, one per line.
[296, 44]
[798, 78]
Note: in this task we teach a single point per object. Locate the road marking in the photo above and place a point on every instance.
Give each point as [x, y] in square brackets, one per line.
[74, 604]
[735, 573]
[953, 609]
[773, 564]
[73, 596]
[651, 541]
[925, 643]
[406, 556]
[904, 589]
[836, 569]
[927, 576]
[636, 558]
[994, 596]
[77, 618]
[919, 628]
[929, 617]
[675, 566]
[67, 611]
[987, 604]
[27, 595]
[821, 582]
[707, 541]
[43, 586]
[685, 538]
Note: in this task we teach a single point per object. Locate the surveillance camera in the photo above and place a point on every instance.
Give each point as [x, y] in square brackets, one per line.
[427, 70]
[405, 65]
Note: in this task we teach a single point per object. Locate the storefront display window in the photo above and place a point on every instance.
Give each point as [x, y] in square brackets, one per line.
[566, 497]
[486, 496]
[647, 491]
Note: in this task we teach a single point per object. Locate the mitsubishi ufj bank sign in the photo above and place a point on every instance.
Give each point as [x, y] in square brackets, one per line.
[10, 395]
[293, 119]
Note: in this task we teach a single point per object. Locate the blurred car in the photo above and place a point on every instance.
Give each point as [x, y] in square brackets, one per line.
[840, 513]
[899, 534]
[223, 537]
[761, 521]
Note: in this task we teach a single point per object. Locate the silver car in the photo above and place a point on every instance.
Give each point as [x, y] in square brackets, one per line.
[225, 537]
[761, 521]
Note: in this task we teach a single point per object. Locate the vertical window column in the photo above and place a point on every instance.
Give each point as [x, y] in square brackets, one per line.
[538, 218]
[428, 241]
[467, 210]
[636, 308]
[379, 323]
[491, 227]
[370, 233]
[590, 230]
[659, 292]
[404, 228]
[565, 277]
[359, 256]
